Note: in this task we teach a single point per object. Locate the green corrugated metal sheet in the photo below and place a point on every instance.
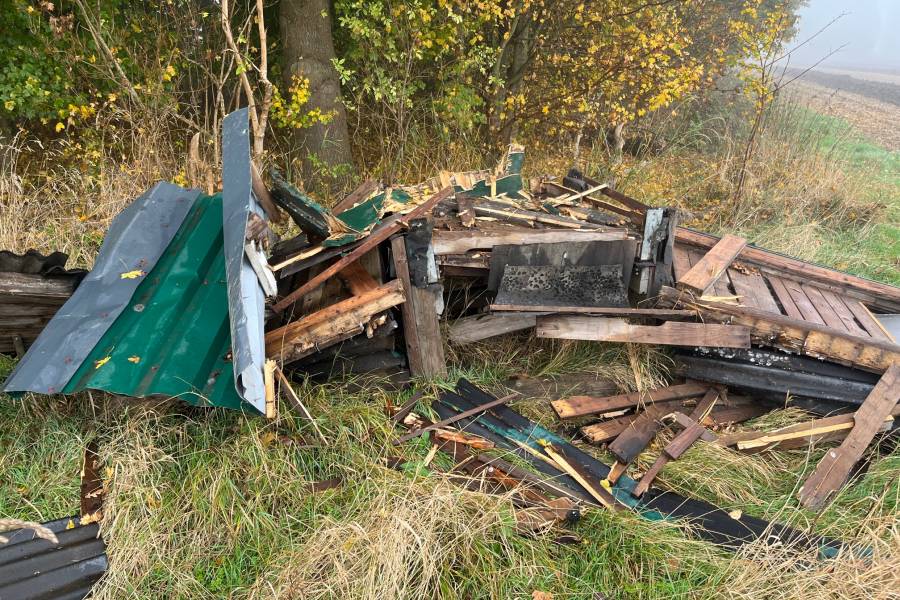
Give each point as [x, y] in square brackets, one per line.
[173, 338]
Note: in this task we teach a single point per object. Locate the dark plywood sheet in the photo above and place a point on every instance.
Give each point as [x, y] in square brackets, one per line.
[563, 286]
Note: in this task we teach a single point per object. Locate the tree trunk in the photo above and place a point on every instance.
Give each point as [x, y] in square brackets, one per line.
[307, 50]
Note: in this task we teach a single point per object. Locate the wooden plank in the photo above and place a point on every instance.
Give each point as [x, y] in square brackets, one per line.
[880, 295]
[713, 265]
[794, 335]
[316, 330]
[269, 382]
[834, 468]
[682, 442]
[681, 262]
[823, 307]
[480, 327]
[784, 297]
[458, 417]
[607, 430]
[485, 208]
[377, 236]
[865, 318]
[840, 308]
[579, 406]
[263, 196]
[744, 287]
[286, 386]
[460, 242]
[557, 190]
[410, 333]
[602, 329]
[357, 279]
[36, 289]
[635, 438]
[802, 302]
[362, 192]
[658, 313]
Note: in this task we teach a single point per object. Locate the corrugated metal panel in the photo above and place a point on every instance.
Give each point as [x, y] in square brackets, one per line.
[173, 338]
[35, 569]
[135, 241]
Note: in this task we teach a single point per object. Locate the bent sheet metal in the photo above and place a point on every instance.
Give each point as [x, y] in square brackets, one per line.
[172, 306]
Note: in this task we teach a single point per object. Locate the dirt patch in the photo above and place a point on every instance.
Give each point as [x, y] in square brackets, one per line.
[876, 119]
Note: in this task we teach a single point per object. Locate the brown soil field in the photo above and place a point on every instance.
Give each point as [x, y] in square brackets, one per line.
[885, 89]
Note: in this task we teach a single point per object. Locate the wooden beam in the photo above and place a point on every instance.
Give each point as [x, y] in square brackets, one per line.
[795, 336]
[600, 329]
[579, 406]
[714, 263]
[658, 313]
[331, 324]
[877, 294]
[377, 236]
[460, 242]
[421, 328]
[834, 468]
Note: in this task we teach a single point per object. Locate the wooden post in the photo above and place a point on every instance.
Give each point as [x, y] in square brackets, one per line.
[421, 329]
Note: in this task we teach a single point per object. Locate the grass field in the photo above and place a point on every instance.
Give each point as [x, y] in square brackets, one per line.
[216, 504]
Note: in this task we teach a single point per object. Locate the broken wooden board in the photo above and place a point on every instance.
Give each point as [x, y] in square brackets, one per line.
[481, 327]
[794, 335]
[583, 254]
[459, 242]
[331, 324]
[834, 468]
[600, 329]
[579, 406]
[563, 285]
[512, 214]
[608, 429]
[388, 228]
[706, 272]
[365, 189]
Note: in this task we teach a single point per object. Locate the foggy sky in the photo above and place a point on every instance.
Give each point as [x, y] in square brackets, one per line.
[870, 28]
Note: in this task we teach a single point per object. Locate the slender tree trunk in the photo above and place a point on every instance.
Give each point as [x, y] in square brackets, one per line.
[308, 49]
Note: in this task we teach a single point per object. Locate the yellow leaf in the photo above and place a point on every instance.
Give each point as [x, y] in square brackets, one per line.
[70, 524]
[134, 359]
[101, 362]
[60, 127]
[133, 274]
[735, 514]
[267, 438]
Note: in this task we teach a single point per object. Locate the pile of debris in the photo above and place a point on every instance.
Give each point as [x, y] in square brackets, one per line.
[194, 296]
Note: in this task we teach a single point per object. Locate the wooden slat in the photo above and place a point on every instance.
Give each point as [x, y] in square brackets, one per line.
[802, 302]
[376, 237]
[840, 308]
[784, 296]
[601, 329]
[460, 242]
[358, 280]
[608, 429]
[681, 262]
[865, 319]
[364, 190]
[824, 309]
[744, 288]
[579, 406]
[683, 441]
[834, 468]
[881, 295]
[713, 265]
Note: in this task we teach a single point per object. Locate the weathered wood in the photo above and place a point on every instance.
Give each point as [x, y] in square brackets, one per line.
[579, 406]
[484, 208]
[459, 242]
[457, 417]
[880, 295]
[421, 328]
[793, 335]
[865, 318]
[388, 228]
[657, 313]
[840, 308]
[784, 297]
[601, 329]
[834, 468]
[713, 265]
[263, 196]
[331, 324]
[683, 441]
[465, 211]
[362, 192]
[802, 302]
[607, 430]
[357, 279]
[269, 381]
[35, 289]
[480, 327]
[557, 190]
[635, 438]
